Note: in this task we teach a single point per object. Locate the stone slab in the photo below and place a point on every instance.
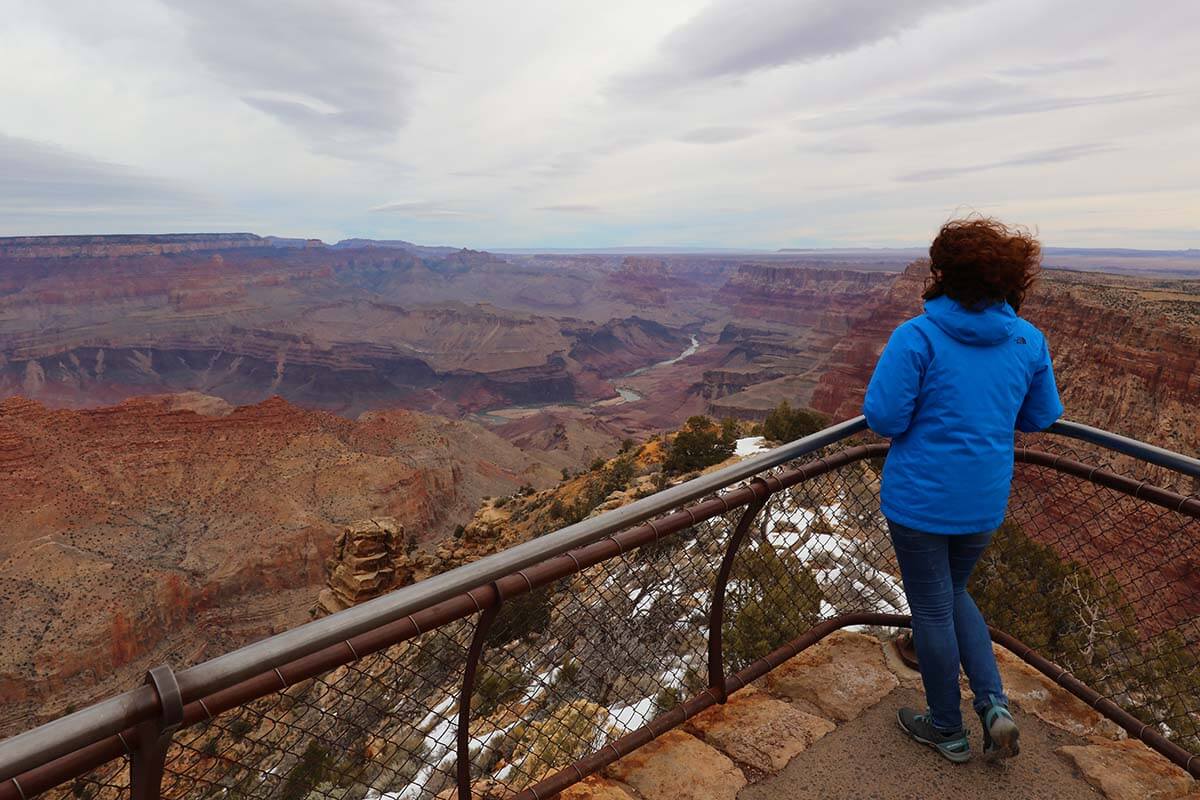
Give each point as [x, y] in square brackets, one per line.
[678, 766]
[1036, 694]
[908, 677]
[759, 730]
[842, 675]
[1128, 770]
[595, 788]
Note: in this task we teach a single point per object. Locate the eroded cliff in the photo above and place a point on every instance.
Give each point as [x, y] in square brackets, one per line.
[173, 528]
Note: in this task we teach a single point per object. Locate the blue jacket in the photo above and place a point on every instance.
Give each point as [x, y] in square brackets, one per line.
[949, 389]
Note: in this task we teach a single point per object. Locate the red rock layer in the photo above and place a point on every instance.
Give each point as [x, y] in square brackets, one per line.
[174, 528]
[1126, 352]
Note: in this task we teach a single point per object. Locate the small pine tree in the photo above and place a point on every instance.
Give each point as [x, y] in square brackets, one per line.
[785, 424]
[699, 444]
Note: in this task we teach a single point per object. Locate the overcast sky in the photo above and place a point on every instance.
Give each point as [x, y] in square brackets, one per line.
[509, 123]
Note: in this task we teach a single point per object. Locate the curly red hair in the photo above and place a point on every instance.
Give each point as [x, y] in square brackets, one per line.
[979, 261]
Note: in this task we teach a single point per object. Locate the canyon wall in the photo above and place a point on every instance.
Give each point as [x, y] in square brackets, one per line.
[343, 328]
[1126, 351]
[175, 528]
[120, 246]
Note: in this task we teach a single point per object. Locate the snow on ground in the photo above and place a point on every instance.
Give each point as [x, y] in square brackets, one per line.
[441, 733]
[789, 520]
[628, 718]
[537, 686]
[825, 545]
[751, 445]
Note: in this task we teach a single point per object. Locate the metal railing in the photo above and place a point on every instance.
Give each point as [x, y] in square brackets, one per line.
[521, 673]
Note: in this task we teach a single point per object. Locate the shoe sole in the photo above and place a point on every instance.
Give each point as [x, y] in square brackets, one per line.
[956, 758]
[1005, 740]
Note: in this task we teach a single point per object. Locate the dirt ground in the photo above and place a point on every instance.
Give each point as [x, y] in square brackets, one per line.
[870, 758]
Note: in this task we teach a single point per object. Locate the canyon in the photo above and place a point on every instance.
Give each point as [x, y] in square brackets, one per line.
[187, 423]
[174, 528]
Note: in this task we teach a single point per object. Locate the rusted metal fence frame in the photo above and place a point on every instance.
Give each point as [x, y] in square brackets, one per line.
[149, 720]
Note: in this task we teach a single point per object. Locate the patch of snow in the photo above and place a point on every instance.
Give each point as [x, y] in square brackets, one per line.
[833, 514]
[627, 718]
[750, 445]
[785, 540]
[824, 544]
[441, 734]
[789, 520]
[537, 686]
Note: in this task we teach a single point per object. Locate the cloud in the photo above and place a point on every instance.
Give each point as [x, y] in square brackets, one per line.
[422, 209]
[39, 178]
[576, 162]
[717, 134]
[840, 148]
[1055, 67]
[1052, 156]
[954, 112]
[330, 72]
[733, 38]
[572, 208]
[968, 101]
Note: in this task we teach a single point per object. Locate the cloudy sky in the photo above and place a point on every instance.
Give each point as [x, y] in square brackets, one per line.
[510, 123]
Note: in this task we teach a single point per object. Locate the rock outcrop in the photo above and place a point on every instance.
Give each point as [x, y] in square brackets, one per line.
[370, 557]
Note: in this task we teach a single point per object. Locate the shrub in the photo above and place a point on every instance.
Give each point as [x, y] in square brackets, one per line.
[1062, 610]
[239, 727]
[1025, 589]
[772, 599]
[496, 687]
[312, 768]
[666, 699]
[699, 444]
[783, 423]
[611, 478]
[522, 615]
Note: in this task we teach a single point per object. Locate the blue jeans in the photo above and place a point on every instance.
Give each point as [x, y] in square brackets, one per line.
[947, 626]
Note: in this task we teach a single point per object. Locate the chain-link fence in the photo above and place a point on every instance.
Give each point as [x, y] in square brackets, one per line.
[573, 661]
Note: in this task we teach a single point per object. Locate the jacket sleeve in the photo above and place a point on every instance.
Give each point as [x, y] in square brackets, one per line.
[895, 385]
[1041, 406]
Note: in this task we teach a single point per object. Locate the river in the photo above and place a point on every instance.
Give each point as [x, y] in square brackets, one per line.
[689, 350]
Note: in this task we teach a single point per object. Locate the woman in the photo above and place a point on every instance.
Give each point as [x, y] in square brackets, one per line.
[949, 389]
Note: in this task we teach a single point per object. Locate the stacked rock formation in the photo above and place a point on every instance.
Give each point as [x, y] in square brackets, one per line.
[368, 560]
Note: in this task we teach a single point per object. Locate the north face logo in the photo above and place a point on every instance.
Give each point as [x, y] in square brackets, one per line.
[1020, 340]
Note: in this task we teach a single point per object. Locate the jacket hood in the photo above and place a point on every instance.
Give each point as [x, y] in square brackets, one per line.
[991, 325]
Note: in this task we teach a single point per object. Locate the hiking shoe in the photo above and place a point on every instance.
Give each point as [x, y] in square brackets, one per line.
[952, 746]
[1000, 733]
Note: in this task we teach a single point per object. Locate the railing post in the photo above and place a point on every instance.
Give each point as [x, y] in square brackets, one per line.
[478, 638]
[149, 757]
[716, 615]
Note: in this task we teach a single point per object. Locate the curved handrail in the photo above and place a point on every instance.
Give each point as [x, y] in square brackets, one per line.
[61, 736]
[67, 734]
[1130, 447]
